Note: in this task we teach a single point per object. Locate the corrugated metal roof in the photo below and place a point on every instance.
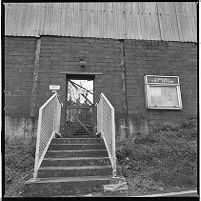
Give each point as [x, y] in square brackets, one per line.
[168, 21]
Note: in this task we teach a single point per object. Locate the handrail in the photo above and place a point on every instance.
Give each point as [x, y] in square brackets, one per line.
[48, 125]
[108, 102]
[48, 101]
[106, 126]
[59, 99]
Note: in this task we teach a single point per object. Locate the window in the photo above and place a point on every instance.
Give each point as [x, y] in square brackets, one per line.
[162, 92]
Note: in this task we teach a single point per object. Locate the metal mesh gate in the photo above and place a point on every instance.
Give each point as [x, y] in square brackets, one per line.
[79, 120]
[79, 110]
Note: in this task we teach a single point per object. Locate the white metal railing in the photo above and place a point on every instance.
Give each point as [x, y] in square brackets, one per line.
[48, 125]
[106, 126]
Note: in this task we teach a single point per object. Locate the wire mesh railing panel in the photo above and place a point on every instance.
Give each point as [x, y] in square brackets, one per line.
[48, 124]
[106, 125]
[99, 118]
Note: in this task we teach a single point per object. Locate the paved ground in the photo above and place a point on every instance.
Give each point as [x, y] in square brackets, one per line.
[191, 193]
[185, 195]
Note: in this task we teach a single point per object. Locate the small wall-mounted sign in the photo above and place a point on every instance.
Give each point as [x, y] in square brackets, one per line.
[54, 87]
[151, 79]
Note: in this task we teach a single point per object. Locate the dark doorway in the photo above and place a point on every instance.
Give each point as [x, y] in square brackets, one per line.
[79, 106]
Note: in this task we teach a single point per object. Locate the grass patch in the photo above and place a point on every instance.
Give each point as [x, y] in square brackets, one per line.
[163, 161]
[19, 162]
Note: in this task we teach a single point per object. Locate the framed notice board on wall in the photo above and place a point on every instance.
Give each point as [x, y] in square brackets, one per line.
[162, 92]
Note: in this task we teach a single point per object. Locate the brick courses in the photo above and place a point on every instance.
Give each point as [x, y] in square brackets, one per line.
[161, 58]
[102, 55]
[19, 58]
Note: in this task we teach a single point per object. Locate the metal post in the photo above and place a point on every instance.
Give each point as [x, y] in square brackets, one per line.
[114, 145]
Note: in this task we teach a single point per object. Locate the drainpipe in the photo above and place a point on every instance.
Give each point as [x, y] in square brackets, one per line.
[124, 84]
[35, 81]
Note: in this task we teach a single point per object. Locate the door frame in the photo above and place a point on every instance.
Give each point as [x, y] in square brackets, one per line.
[75, 77]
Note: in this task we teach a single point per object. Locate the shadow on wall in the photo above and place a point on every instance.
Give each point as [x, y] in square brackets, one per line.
[20, 129]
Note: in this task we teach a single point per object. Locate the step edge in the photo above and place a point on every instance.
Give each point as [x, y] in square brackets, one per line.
[75, 158]
[76, 150]
[76, 144]
[77, 138]
[70, 179]
[74, 167]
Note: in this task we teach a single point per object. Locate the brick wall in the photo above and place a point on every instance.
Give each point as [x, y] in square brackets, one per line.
[161, 58]
[62, 54]
[102, 55]
[19, 59]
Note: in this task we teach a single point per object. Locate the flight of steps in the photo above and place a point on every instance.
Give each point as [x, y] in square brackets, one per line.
[73, 166]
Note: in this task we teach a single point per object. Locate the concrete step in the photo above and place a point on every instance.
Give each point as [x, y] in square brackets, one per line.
[76, 146]
[77, 161]
[60, 187]
[76, 153]
[77, 141]
[74, 135]
[46, 172]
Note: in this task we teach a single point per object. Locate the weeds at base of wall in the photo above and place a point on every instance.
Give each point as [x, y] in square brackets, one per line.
[19, 163]
[165, 160]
